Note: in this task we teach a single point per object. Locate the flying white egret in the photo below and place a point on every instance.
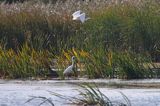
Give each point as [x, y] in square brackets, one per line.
[80, 16]
[71, 69]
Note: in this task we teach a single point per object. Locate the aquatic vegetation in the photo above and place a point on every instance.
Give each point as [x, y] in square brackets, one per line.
[24, 64]
[44, 100]
[106, 46]
[46, 26]
[88, 95]
[101, 64]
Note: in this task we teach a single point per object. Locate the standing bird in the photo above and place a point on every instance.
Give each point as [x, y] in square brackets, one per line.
[71, 69]
[80, 16]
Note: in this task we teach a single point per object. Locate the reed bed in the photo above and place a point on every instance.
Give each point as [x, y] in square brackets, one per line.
[113, 40]
[26, 63]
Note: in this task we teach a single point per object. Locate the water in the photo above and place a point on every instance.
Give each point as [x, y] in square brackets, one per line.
[17, 92]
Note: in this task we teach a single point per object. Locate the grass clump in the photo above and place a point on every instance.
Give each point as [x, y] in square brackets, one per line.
[93, 96]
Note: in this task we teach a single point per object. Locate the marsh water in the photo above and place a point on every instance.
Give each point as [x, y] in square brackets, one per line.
[139, 92]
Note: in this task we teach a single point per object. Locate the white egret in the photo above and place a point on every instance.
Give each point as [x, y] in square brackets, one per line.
[80, 16]
[71, 69]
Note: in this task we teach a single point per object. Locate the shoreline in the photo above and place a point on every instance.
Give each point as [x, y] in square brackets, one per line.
[109, 83]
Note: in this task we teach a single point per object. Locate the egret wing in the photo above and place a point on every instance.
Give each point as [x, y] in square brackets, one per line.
[68, 70]
[76, 14]
[82, 17]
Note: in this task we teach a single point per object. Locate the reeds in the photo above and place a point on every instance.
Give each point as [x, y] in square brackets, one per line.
[101, 64]
[114, 28]
[51, 25]
[24, 64]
